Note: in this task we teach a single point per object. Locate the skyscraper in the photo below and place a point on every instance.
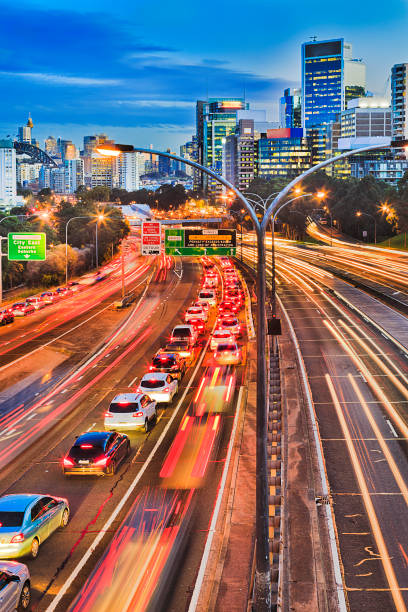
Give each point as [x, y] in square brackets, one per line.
[8, 174]
[129, 165]
[216, 118]
[330, 77]
[399, 103]
[24, 132]
[290, 109]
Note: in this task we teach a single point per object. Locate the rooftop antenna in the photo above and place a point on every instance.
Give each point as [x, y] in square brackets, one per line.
[313, 38]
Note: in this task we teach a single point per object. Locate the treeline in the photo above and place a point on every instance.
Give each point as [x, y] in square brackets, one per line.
[387, 204]
[81, 237]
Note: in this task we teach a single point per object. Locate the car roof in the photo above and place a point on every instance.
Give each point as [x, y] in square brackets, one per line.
[127, 397]
[221, 331]
[18, 502]
[98, 438]
[190, 327]
[155, 376]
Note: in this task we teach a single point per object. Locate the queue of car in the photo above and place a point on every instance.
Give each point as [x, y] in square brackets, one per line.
[27, 520]
[36, 302]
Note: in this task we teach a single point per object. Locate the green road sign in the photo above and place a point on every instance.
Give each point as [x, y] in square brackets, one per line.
[198, 242]
[26, 246]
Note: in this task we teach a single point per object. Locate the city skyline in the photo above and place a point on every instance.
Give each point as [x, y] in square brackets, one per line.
[87, 72]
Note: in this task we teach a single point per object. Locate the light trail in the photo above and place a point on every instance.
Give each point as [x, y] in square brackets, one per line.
[371, 514]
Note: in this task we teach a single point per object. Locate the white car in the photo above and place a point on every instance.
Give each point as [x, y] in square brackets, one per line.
[185, 332]
[204, 305]
[130, 411]
[211, 280]
[37, 302]
[207, 295]
[15, 592]
[222, 336]
[231, 324]
[160, 386]
[194, 313]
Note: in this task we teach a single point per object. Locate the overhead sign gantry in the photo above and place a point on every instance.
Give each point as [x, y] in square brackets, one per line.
[198, 242]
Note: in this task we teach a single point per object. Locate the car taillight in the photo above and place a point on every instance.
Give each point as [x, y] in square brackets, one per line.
[19, 537]
[102, 462]
[108, 415]
[137, 414]
[166, 389]
[68, 462]
[151, 368]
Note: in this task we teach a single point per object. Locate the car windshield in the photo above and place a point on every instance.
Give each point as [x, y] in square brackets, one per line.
[152, 384]
[86, 451]
[11, 519]
[226, 347]
[164, 362]
[182, 332]
[229, 322]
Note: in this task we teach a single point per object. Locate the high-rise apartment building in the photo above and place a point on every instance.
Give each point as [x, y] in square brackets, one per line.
[283, 153]
[129, 170]
[8, 175]
[216, 119]
[51, 147]
[239, 155]
[189, 151]
[399, 104]
[24, 132]
[330, 77]
[98, 169]
[290, 109]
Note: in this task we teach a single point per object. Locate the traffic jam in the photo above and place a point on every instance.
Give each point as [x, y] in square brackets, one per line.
[211, 339]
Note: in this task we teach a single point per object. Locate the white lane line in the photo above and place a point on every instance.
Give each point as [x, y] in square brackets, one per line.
[63, 589]
[206, 554]
[394, 433]
[91, 427]
[33, 414]
[133, 381]
[64, 391]
[322, 467]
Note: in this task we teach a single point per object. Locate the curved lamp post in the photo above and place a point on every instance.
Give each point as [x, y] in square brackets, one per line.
[262, 573]
[66, 244]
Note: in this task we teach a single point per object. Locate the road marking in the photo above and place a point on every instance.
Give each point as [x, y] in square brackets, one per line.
[64, 391]
[133, 381]
[394, 433]
[63, 589]
[204, 560]
[91, 427]
[33, 414]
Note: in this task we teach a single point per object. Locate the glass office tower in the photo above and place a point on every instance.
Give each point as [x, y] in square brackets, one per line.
[330, 77]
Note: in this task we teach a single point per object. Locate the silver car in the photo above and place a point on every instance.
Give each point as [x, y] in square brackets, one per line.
[26, 520]
[15, 592]
[130, 411]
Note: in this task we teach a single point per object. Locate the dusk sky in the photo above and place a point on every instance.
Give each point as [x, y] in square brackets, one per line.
[135, 69]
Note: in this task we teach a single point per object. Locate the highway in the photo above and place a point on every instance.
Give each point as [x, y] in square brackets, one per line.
[359, 385]
[168, 466]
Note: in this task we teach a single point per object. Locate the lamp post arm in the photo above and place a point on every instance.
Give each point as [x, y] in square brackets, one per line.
[311, 170]
[213, 175]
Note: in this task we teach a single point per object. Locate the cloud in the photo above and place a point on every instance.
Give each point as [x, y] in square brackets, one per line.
[58, 79]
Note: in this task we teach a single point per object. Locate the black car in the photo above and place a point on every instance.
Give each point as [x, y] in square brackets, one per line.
[96, 452]
[171, 363]
[6, 317]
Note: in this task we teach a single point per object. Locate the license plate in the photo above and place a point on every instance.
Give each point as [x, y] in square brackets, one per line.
[83, 462]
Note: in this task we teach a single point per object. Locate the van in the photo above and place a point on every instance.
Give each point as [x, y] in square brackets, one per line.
[184, 332]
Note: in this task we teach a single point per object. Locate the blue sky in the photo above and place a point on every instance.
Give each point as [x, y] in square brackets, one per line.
[135, 69]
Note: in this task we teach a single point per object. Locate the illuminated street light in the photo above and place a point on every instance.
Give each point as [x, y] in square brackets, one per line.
[359, 213]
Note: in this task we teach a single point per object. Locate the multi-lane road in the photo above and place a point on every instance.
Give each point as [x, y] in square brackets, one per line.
[60, 369]
[358, 379]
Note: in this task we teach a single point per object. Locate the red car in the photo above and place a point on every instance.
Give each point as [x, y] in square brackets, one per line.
[227, 307]
[198, 324]
[21, 309]
[6, 317]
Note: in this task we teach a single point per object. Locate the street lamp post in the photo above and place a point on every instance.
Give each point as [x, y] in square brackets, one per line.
[360, 212]
[262, 590]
